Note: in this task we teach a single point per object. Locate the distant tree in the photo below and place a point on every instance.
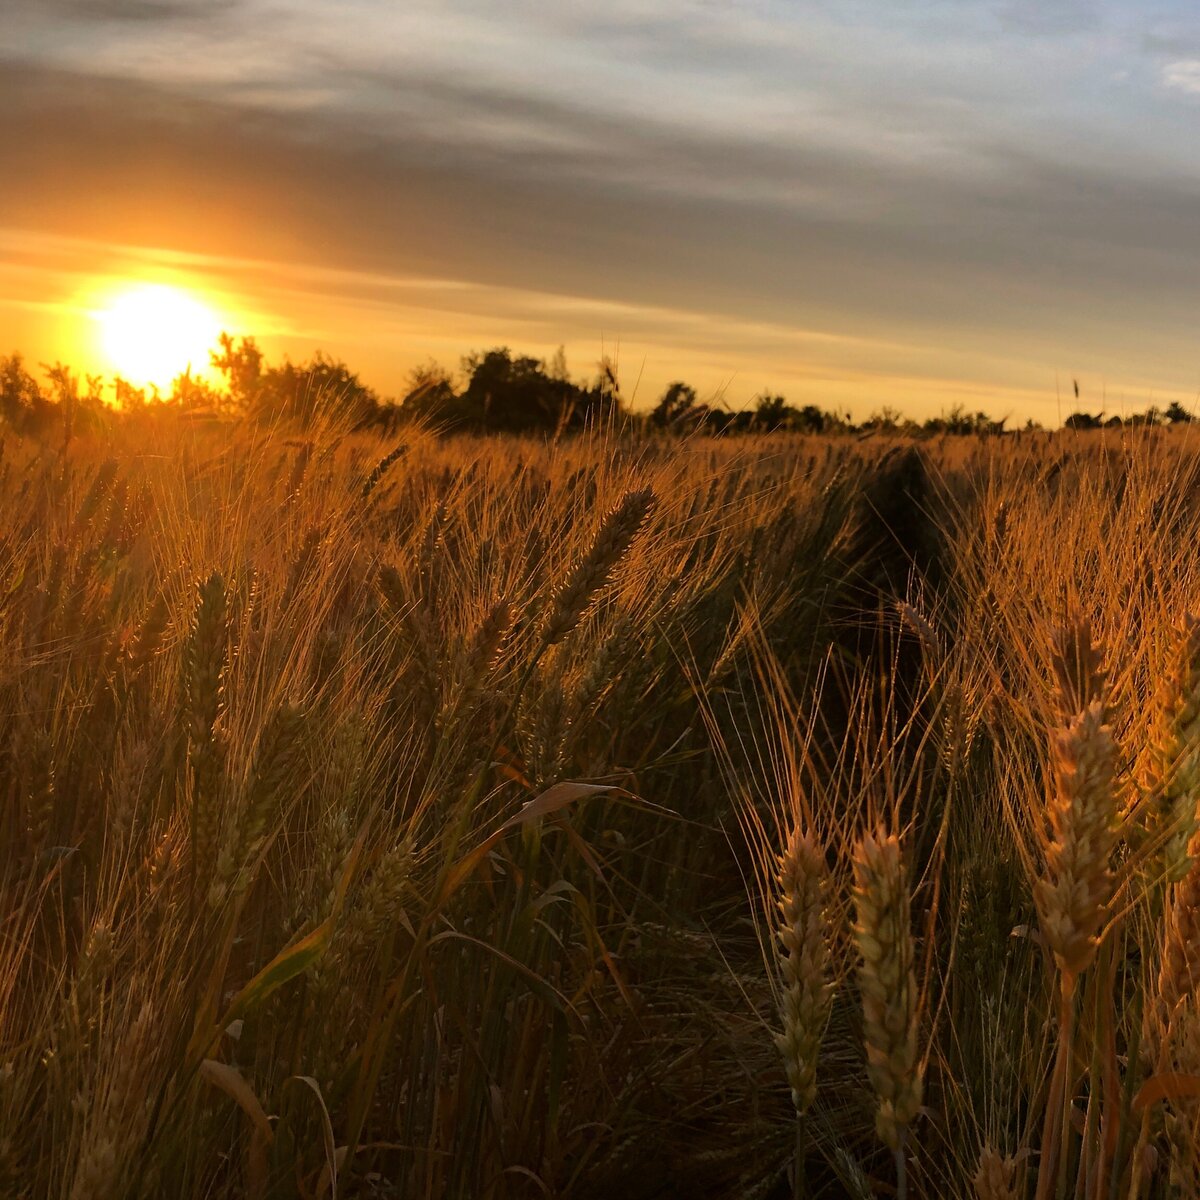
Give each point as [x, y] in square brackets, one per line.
[127, 397]
[517, 394]
[960, 423]
[811, 419]
[18, 389]
[64, 383]
[64, 392]
[322, 387]
[1081, 420]
[1176, 414]
[430, 378]
[193, 395]
[888, 420]
[721, 421]
[505, 392]
[429, 394]
[557, 366]
[22, 403]
[772, 412]
[678, 406]
[242, 366]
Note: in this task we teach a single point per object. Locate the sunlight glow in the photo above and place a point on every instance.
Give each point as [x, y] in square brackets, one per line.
[153, 332]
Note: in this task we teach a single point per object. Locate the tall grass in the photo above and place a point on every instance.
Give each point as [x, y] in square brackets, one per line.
[375, 816]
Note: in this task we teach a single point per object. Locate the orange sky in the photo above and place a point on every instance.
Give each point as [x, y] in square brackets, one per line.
[55, 288]
[908, 204]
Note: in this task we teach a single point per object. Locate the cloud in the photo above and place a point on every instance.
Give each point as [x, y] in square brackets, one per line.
[92, 11]
[1183, 76]
[1050, 17]
[1171, 31]
[559, 199]
[870, 168]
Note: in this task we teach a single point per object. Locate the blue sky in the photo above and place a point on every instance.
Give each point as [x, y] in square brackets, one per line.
[857, 203]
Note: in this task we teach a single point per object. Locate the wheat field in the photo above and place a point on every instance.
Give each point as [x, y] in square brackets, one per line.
[617, 815]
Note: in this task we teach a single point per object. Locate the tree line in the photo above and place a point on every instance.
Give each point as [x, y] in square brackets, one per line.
[497, 391]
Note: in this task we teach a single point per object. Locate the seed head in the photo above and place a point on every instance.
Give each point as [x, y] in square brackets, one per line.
[380, 469]
[486, 643]
[1073, 896]
[1173, 774]
[994, 1178]
[887, 983]
[204, 683]
[150, 635]
[803, 954]
[1179, 967]
[590, 574]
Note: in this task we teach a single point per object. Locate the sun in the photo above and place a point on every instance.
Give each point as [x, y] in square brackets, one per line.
[152, 332]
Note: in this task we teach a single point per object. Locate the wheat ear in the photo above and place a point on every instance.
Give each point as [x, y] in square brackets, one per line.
[1179, 967]
[1182, 1120]
[119, 1116]
[888, 987]
[150, 635]
[1073, 895]
[272, 774]
[803, 952]
[379, 470]
[204, 687]
[1079, 671]
[993, 1180]
[485, 645]
[1174, 774]
[589, 575]
[1073, 898]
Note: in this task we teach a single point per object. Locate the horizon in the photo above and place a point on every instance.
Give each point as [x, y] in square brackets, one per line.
[915, 206]
[222, 390]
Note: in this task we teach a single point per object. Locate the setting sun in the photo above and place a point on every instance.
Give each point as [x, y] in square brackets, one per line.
[152, 332]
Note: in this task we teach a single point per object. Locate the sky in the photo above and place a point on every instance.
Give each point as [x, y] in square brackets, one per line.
[854, 203]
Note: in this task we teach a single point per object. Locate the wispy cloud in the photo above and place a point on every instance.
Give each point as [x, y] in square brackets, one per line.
[1051, 17]
[92, 11]
[1183, 76]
